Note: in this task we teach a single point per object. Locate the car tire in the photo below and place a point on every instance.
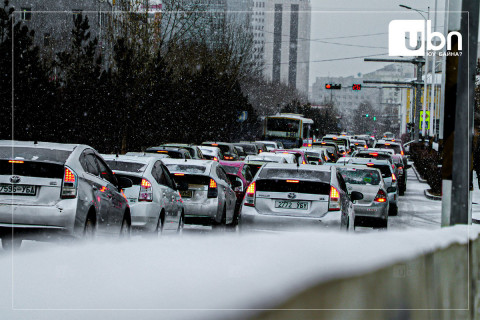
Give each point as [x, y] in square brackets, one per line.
[181, 224]
[9, 243]
[126, 228]
[393, 210]
[89, 228]
[220, 226]
[160, 224]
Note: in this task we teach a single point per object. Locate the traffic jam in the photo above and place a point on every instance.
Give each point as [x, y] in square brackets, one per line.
[288, 179]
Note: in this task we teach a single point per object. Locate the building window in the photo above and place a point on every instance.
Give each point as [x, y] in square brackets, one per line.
[46, 39]
[26, 14]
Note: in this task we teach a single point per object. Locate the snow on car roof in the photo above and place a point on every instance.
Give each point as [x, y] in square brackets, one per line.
[42, 145]
[129, 158]
[205, 163]
[272, 165]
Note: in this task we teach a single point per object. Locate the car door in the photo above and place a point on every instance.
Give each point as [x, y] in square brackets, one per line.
[230, 196]
[167, 194]
[116, 202]
[173, 195]
[96, 186]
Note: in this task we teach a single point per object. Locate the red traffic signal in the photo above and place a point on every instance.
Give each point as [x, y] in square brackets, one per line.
[328, 86]
[333, 86]
[356, 86]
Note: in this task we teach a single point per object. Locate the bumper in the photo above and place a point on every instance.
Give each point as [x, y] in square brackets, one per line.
[250, 219]
[206, 209]
[374, 210]
[58, 217]
[144, 216]
[392, 197]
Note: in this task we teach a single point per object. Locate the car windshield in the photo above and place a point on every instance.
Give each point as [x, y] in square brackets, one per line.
[186, 168]
[297, 186]
[126, 166]
[394, 147]
[230, 169]
[270, 173]
[171, 153]
[249, 148]
[34, 154]
[360, 176]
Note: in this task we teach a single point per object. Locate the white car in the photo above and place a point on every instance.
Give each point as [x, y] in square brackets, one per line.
[212, 153]
[272, 157]
[155, 203]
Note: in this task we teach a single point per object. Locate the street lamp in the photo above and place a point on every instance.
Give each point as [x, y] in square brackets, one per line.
[425, 86]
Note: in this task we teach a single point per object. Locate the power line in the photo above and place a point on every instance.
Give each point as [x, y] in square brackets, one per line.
[337, 59]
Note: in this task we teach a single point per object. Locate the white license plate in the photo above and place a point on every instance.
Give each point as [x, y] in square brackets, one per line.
[17, 189]
[186, 194]
[287, 204]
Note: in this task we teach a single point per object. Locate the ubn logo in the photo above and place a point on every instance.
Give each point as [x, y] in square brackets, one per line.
[407, 38]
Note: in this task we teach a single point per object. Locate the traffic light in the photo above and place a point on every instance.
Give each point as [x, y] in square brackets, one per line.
[356, 86]
[374, 118]
[330, 86]
[366, 115]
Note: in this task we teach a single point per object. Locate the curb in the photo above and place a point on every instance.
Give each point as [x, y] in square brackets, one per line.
[418, 175]
[431, 196]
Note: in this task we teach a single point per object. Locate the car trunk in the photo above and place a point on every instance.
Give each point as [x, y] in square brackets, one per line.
[30, 182]
[369, 192]
[197, 187]
[298, 198]
[133, 192]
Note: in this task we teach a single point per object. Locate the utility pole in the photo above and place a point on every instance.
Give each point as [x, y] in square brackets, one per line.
[419, 62]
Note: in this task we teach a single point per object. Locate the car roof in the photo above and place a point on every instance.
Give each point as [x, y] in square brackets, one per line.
[129, 158]
[237, 164]
[389, 141]
[42, 145]
[179, 149]
[370, 160]
[205, 163]
[272, 165]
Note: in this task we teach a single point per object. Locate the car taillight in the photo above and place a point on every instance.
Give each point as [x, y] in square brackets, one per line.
[402, 153]
[394, 178]
[212, 189]
[334, 202]
[250, 195]
[381, 196]
[215, 159]
[146, 191]
[69, 184]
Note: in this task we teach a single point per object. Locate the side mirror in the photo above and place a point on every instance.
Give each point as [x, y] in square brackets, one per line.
[124, 183]
[391, 189]
[182, 186]
[355, 195]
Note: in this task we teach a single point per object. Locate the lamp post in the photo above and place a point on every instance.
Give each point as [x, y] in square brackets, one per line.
[425, 86]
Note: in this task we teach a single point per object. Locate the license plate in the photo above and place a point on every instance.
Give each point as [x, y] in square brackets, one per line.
[286, 204]
[186, 194]
[17, 189]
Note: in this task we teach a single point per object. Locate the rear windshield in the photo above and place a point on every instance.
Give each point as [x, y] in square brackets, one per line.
[34, 154]
[394, 147]
[126, 166]
[295, 174]
[281, 185]
[336, 141]
[208, 157]
[360, 176]
[230, 169]
[32, 169]
[193, 179]
[136, 181]
[379, 156]
[249, 148]
[187, 168]
[313, 158]
[172, 154]
[254, 168]
[384, 169]
[224, 148]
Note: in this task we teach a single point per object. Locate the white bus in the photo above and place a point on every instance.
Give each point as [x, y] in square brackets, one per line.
[293, 130]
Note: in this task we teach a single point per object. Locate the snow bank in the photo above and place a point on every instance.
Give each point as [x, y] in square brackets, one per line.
[196, 277]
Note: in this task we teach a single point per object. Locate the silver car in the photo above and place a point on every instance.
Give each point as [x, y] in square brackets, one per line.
[284, 196]
[209, 199]
[388, 176]
[155, 203]
[53, 189]
[372, 210]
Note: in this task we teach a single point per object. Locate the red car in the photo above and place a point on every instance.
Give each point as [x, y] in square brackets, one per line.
[238, 171]
[299, 154]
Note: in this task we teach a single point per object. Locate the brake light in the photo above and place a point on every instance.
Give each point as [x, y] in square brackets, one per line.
[293, 181]
[228, 158]
[179, 174]
[387, 144]
[212, 189]
[402, 153]
[334, 201]
[250, 195]
[394, 178]
[146, 191]
[309, 144]
[370, 164]
[69, 184]
[375, 154]
[214, 144]
[334, 138]
[260, 151]
[365, 146]
[303, 162]
[215, 159]
[15, 161]
[162, 151]
[381, 196]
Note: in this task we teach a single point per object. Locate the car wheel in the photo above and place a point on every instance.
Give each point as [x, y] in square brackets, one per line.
[181, 224]
[160, 224]
[89, 229]
[126, 228]
[220, 226]
[393, 210]
[9, 243]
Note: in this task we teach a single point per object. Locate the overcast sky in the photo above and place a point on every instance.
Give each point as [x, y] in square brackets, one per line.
[339, 19]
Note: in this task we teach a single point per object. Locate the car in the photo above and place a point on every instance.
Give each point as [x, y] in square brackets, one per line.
[380, 154]
[262, 147]
[50, 190]
[388, 135]
[388, 176]
[155, 202]
[173, 152]
[272, 157]
[271, 145]
[212, 153]
[299, 154]
[194, 150]
[332, 149]
[358, 144]
[284, 196]
[365, 137]
[228, 149]
[143, 154]
[248, 148]
[314, 157]
[372, 210]
[401, 173]
[396, 146]
[241, 153]
[338, 140]
[240, 176]
[209, 198]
